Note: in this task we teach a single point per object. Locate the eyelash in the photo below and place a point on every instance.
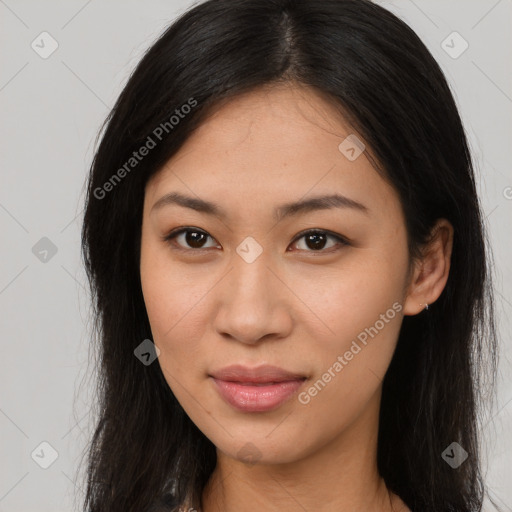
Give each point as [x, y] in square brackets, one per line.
[169, 238]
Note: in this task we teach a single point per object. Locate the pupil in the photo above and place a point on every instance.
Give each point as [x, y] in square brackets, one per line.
[310, 237]
[191, 240]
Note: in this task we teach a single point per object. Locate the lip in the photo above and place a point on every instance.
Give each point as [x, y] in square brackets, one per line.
[260, 389]
[261, 374]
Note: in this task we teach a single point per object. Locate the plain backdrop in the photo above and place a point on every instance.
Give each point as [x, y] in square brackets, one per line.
[51, 108]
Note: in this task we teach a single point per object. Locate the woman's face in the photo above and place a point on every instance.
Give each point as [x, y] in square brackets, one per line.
[245, 286]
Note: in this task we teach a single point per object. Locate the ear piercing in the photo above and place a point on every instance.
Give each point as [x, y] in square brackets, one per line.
[426, 306]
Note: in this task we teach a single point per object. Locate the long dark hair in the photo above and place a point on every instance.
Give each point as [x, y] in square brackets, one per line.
[373, 68]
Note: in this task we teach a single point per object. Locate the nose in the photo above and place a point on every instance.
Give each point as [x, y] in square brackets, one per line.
[253, 303]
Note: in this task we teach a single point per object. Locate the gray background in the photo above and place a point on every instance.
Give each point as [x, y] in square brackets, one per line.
[51, 109]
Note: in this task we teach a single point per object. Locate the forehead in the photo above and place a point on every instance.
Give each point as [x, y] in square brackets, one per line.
[272, 143]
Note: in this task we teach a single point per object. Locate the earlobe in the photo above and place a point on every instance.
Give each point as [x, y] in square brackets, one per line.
[431, 272]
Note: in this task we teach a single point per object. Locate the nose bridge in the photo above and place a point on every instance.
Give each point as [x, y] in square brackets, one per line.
[250, 303]
[251, 278]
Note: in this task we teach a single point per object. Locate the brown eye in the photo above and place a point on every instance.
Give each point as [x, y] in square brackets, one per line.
[315, 241]
[191, 238]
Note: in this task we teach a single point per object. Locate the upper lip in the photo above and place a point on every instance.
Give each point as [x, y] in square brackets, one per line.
[265, 373]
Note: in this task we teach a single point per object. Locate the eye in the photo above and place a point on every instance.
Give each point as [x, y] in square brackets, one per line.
[315, 239]
[192, 236]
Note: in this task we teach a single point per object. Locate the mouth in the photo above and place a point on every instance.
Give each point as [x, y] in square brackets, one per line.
[266, 374]
[259, 384]
[261, 389]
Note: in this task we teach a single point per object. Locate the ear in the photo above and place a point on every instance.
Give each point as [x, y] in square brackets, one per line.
[431, 272]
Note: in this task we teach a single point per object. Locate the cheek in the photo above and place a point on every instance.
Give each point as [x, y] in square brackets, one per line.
[360, 308]
[344, 300]
[176, 312]
[175, 301]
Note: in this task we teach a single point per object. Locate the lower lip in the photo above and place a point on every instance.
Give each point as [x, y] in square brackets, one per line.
[251, 398]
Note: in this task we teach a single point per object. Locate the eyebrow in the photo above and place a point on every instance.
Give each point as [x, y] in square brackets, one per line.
[302, 206]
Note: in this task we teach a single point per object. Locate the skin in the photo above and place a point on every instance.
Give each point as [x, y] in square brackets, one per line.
[295, 306]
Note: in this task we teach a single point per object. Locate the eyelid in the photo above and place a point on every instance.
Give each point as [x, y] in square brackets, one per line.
[178, 231]
[342, 240]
